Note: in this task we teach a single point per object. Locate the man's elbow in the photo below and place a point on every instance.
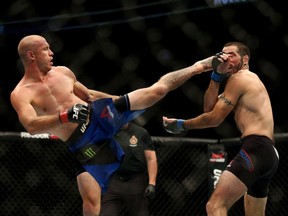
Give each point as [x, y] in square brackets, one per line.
[207, 108]
[213, 122]
[217, 122]
[31, 129]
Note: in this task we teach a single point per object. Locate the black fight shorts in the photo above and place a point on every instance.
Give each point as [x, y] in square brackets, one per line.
[255, 164]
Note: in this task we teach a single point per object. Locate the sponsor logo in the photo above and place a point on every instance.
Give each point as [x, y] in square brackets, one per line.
[217, 157]
[216, 176]
[107, 113]
[226, 2]
[36, 136]
[75, 112]
[83, 128]
[89, 152]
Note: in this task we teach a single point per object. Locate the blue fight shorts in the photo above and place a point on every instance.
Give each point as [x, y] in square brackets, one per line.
[93, 145]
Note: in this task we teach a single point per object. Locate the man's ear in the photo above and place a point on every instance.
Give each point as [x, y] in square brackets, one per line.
[30, 55]
[245, 59]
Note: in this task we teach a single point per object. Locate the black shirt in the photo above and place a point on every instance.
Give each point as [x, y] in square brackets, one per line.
[134, 140]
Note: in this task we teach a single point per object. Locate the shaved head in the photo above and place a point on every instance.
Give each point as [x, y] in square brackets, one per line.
[29, 43]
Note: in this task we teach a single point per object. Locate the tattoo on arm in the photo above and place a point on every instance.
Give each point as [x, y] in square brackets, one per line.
[226, 100]
[207, 64]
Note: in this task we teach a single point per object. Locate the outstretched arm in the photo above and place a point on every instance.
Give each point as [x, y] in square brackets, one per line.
[223, 106]
[205, 120]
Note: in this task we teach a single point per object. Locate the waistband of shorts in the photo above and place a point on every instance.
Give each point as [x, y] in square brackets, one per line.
[78, 132]
[243, 139]
[76, 135]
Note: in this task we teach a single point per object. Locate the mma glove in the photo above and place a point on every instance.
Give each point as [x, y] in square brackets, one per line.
[174, 127]
[78, 113]
[150, 192]
[217, 77]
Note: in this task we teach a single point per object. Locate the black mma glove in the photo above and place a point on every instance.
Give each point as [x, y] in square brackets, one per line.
[78, 113]
[217, 77]
[174, 127]
[150, 191]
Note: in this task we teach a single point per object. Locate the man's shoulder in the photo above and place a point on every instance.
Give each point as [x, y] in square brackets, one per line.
[63, 70]
[244, 76]
[22, 92]
[140, 130]
[22, 85]
[60, 68]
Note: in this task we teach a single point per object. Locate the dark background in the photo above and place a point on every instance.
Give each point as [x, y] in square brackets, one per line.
[119, 46]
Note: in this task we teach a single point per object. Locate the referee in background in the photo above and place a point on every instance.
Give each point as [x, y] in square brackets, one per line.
[134, 182]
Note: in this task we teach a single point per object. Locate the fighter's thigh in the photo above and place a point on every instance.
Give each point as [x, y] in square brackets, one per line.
[228, 190]
[88, 187]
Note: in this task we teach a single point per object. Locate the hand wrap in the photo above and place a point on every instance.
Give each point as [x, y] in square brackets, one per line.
[174, 127]
[217, 77]
[150, 192]
[78, 113]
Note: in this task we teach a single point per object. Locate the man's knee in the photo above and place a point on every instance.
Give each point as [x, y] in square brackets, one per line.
[160, 90]
[90, 208]
[209, 207]
[214, 208]
[122, 103]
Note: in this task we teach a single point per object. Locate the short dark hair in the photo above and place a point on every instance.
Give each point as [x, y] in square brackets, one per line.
[243, 49]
